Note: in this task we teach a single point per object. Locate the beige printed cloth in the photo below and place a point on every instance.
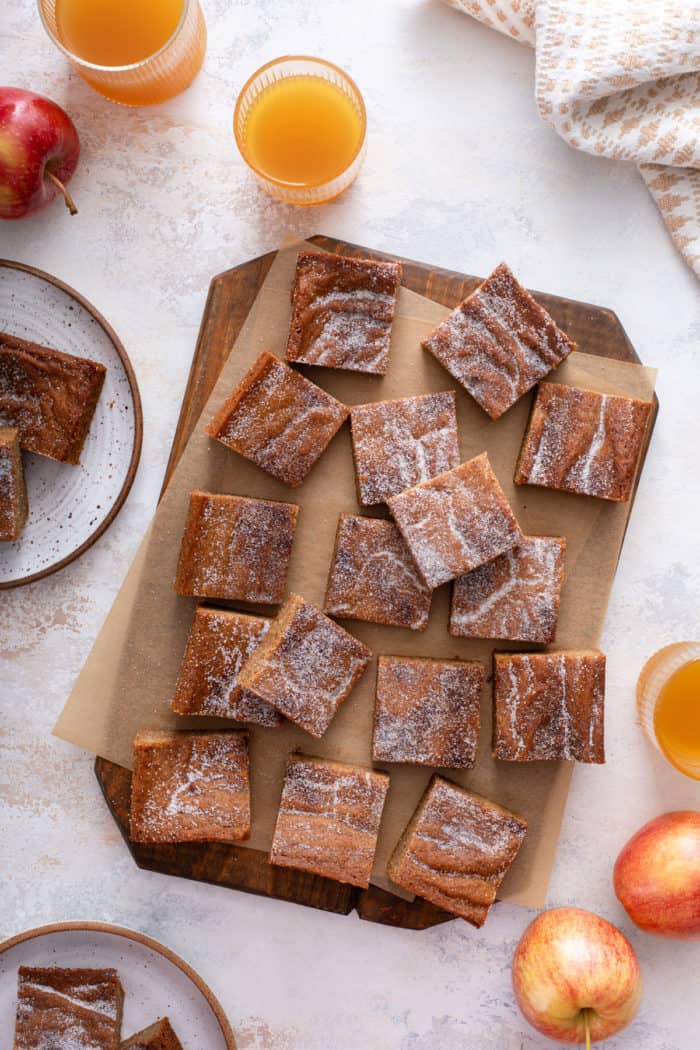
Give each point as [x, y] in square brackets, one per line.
[620, 78]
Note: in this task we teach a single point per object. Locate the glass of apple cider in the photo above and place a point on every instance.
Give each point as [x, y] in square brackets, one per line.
[301, 126]
[668, 698]
[138, 52]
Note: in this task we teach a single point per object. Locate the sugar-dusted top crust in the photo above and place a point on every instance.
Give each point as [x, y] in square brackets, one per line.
[583, 442]
[329, 818]
[219, 643]
[342, 312]
[399, 444]
[49, 396]
[158, 1036]
[499, 342]
[427, 711]
[374, 578]
[190, 787]
[516, 596]
[13, 492]
[70, 1009]
[235, 547]
[549, 706]
[456, 522]
[279, 420]
[456, 850]
[306, 666]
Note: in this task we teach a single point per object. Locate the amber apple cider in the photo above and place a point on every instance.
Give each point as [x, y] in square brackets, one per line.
[677, 719]
[303, 131]
[116, 32]
[119, 33]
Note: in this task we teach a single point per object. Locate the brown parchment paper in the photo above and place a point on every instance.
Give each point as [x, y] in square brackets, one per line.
[129, 677]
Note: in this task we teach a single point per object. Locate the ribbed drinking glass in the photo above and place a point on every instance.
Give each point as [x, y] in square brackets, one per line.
[155, 78]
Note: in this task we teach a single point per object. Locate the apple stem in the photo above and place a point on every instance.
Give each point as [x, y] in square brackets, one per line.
[587, 1027]
[70, 203]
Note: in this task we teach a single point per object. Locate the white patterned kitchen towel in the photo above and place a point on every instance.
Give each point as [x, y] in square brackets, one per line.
[620, 78]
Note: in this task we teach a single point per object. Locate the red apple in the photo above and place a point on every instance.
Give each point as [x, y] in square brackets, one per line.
[657, 876]
[39, 152]
[576, 977]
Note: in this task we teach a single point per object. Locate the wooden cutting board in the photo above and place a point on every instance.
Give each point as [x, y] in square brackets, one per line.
[231, 296]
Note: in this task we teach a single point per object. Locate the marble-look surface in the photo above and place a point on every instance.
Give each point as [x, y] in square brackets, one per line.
[460, 171]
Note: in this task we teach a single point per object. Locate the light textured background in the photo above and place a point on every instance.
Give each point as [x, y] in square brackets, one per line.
[459, 172]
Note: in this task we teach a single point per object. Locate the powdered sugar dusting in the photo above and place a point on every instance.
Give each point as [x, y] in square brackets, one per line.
[7, 474]
[349, 339]
[68, 1009]
[73, 1035]
[399, 444]
[220, 642]
[12, 492]
[250, 708]
[583, 470]
[427, 711]
[374, 578]
[583, 442]
[456, 522]
[499, 342]
[190, 787]
[458, 850]
[342, 312]
[234, 547]
[306, 666]
[81, 997]
[549, 706]
[515, 596]
[279, 420]
[49, 396]
[329, 819]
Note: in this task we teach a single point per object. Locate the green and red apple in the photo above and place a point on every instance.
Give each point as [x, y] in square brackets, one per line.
[39, 152]
[657, 876]
[576, 977]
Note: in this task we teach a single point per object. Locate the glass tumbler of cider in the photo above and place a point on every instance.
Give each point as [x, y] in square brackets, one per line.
[668, 699]
[301, 126]
[138, 52]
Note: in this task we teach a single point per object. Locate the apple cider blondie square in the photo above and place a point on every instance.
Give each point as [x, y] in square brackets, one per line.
[342, 312]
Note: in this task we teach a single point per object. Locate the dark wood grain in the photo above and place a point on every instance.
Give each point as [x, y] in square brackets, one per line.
[237, 868]
[231, 295]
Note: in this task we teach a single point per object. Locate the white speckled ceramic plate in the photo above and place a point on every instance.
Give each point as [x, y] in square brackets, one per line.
[157, 983]
[70, 507]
